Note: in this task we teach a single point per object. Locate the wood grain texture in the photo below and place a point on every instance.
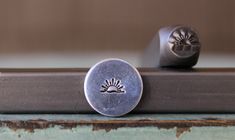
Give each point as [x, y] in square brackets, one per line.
[137, 127]
[165, 91]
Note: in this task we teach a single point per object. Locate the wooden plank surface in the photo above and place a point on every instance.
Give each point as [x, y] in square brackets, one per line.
[136, 127]
[165, 91]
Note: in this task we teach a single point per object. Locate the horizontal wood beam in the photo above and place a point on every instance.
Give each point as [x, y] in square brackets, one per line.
[165, 91]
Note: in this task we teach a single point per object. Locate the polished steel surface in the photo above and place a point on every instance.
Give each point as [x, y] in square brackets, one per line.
[113, 87]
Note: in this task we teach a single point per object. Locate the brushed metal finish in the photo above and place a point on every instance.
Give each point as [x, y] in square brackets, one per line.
[113, 87]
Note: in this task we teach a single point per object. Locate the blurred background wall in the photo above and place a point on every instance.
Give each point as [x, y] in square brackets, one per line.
[78, 33]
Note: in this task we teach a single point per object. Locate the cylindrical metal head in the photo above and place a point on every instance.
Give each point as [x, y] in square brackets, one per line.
[113, 87]
[173, 46]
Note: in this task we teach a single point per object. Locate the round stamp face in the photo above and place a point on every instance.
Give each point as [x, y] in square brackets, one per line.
[113, 87]
[184, 42]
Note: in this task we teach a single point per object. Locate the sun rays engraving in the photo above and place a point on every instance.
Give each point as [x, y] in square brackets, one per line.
[184, 42]
[112, 86]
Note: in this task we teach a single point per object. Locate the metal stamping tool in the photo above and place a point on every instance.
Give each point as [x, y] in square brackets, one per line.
[174, 46]
[113, 87]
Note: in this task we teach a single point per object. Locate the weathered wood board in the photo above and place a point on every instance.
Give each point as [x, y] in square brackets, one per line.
[136, 127]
